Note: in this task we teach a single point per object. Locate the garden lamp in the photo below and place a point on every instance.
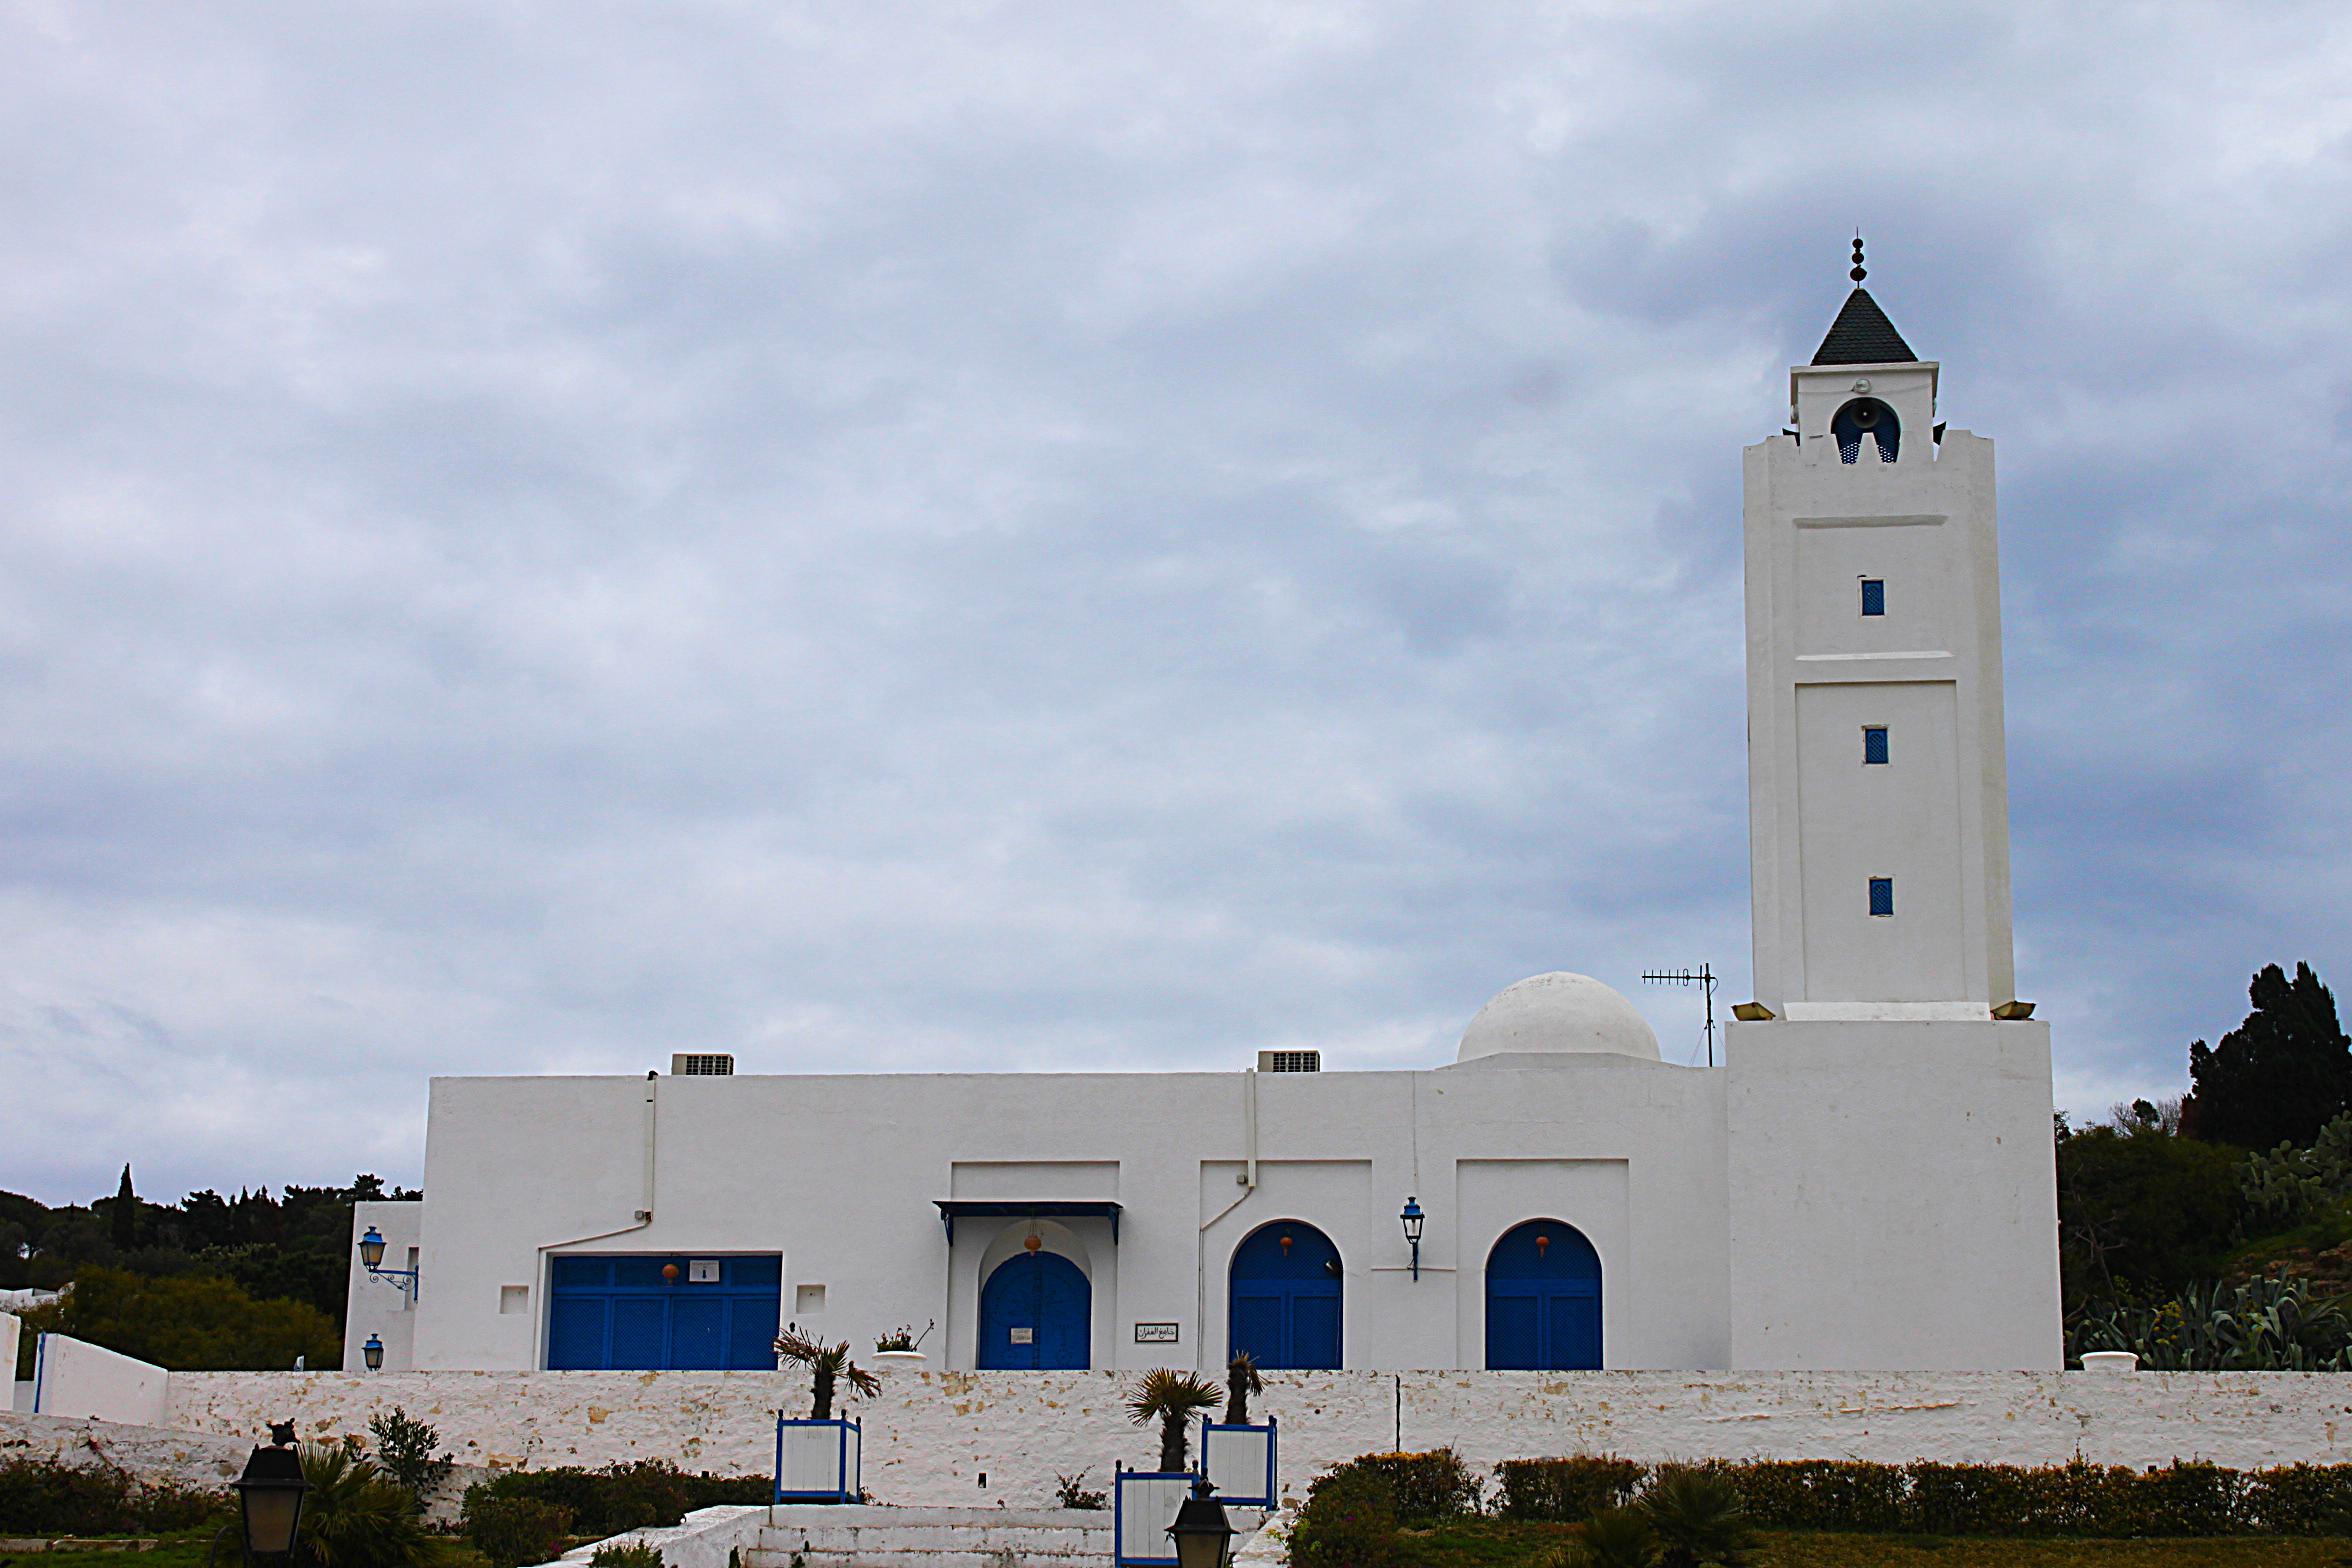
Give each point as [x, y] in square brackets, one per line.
[373, 1353]
[1413, 1219]
[1203, 1537]
[269, 1494]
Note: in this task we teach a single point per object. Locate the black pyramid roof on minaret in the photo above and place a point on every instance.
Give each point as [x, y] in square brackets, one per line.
[1862, 335]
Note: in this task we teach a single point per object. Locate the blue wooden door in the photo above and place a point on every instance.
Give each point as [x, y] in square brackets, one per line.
[620, 1311]
[1543, 1300]
[1036, 1314]
[1286, 1297]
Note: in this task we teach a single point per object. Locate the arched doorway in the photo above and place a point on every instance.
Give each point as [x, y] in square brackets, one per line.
[1543, 1300]
[1286, 1297]
[1036, 1315]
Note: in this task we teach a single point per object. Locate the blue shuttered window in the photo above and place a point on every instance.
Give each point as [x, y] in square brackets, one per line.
[1882, 895]
[1874, 596]
[1874, 743]
[619, 1311]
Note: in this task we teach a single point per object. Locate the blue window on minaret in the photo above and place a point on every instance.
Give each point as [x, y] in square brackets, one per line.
[1874, 596]
[1882, 895]
[1874, 743]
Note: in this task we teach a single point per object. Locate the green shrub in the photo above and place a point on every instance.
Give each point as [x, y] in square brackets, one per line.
[42, 1496]
[1819, 1494]
[1426, 1487]
[626, 1554]
[404, 1452]
[354, 1517]
[1349, 1521]
[2300, 1500]
[1569, 1490]
[514, 1530]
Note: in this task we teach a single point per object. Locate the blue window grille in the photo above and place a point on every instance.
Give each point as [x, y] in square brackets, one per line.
[1882, 895]
[1874, 743]
[1874, 596]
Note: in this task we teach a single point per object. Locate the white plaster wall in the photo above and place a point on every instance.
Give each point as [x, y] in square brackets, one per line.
[75, 1378]
[839, 1174]
[1925, 525]
[931, 1436]
[374, 1304]
[11, 1338]
[1893, 1196]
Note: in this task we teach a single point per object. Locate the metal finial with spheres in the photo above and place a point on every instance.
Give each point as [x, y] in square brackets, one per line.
[1857, 274]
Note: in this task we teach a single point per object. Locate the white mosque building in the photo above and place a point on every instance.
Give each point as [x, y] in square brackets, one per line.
[1865, 1182]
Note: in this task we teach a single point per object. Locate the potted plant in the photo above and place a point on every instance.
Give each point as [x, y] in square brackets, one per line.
[902, 1346]
[819, 1457]
[1237, 1455]
[1145, 1502]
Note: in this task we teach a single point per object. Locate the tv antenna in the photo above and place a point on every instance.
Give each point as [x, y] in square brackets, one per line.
[1704, 978]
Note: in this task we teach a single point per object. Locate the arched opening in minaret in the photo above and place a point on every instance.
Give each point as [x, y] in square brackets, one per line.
[1866, 418]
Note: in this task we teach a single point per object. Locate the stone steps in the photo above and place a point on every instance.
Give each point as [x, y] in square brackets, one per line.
[884, 1537]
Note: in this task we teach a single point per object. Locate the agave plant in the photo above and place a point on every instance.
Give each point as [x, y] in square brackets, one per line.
[2273, 1324]
[827, 1365]
[1171, 1398]
[1698, 1518]
[1241, 1381]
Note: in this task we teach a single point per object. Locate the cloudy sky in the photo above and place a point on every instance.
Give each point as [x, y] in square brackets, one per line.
[1066, 535]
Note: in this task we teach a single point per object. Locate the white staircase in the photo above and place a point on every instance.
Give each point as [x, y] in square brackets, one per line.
[818, 1536]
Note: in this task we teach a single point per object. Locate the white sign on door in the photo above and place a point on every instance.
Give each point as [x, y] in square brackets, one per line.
[1024, 1336]
[702, 1271]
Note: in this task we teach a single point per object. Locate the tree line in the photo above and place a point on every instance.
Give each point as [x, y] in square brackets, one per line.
[207, 1283]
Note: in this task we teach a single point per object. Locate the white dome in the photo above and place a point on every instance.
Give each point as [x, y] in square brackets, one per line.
[1558, 1014]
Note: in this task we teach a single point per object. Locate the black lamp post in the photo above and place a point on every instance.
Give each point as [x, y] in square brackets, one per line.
[371, 1255]
[1413, 1219]
[1203, 1537]
[269, 1497]
[373, 1353]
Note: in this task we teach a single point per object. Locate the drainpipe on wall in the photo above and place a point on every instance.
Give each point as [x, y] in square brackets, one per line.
[1248, 1178]
[643, 1217]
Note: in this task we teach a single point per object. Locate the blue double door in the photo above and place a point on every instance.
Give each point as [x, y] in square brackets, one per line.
[1036, 1315]
[609, 1311]
[1286, 1286]
[1543, 1300]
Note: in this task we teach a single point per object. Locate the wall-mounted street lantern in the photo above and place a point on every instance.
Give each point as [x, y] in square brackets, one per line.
[373, 1353]
[1203, 1537]
[371, 1253]
[1412, 1219]
[269, 1498]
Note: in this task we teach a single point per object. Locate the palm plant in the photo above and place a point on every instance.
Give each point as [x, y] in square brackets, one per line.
[1612, 1538]
[1699, 1518]
[1241, 1381]
[1172, 1398]
[354, 1516]
[827, 1365]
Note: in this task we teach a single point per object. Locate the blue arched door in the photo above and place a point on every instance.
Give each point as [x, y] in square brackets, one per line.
[1286, 1297]
[1543, 1300]
[1036, 1314]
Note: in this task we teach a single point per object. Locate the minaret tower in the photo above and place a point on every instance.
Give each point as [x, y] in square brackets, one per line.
[1877, 781]
[1891, 1196]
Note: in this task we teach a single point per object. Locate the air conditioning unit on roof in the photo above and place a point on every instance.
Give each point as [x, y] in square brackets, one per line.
[702, 1064]
[1290, 1061]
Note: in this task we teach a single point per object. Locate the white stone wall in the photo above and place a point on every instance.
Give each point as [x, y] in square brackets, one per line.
[930, 1437]
[75, 1378]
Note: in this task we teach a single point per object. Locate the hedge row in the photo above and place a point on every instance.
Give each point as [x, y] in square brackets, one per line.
[2180, 1499]
[621, 1496]
[44, 1497]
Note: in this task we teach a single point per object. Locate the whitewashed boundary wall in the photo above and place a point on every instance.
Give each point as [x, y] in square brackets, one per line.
[11, 1336]
[931, 1436]
[72, 1377]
